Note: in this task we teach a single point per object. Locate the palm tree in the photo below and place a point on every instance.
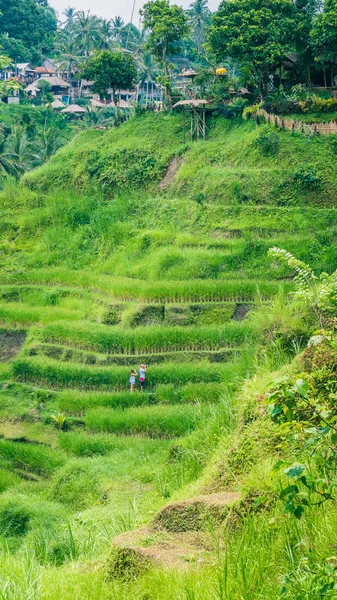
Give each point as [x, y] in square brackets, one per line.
[13, 153]
[148, 70]
[69, 55]
[18, 145]
[117, 26]
[86, 30]
[48, 142]
[199, 17]
[106, 35]
[70, 14]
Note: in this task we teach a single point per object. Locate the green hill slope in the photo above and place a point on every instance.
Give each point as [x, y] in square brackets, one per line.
[134, 246]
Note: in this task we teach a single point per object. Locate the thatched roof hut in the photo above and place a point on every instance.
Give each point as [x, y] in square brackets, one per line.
[57, 103]
[73, 109]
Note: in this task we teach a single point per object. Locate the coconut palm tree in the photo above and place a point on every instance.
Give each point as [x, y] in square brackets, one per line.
[70, 15]
[200, 18]
[69, 55]
[86, 30]
[117, 26]
[47, 143]
[14, 154]
[106, 39]
[18, 145]
[148, 70]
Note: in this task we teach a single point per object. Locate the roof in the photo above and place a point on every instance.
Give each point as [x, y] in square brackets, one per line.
[244, 91]
[120, 104]
[24, 67]
[32, 88]
[97, 103]
[189, 73]
[57, 103]
[55, 81]
[194, 103]
[44, 70]
[73, 109]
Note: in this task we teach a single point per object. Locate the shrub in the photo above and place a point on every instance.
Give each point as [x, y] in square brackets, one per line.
[307, 178]
[267, 142]
[14, 520]
[76, 485]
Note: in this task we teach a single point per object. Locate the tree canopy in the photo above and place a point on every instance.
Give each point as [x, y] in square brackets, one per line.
[30, 22]
[257, 33]
[110, 70]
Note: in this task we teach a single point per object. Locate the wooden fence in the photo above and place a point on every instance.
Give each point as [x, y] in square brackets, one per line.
[309, 128]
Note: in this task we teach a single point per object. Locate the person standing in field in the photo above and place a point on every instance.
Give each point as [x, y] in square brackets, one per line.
[142, 376]
[133, 376]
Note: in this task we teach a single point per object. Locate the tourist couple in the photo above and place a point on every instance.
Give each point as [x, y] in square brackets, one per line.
[133, 375]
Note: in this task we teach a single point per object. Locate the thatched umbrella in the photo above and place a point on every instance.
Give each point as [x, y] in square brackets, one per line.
[98, 104]
[57, 103]
[73, 109]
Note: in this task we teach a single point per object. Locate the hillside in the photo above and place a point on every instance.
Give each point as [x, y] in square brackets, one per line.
[132, 246]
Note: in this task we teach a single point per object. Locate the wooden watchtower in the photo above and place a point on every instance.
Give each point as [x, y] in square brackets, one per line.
[196, 109]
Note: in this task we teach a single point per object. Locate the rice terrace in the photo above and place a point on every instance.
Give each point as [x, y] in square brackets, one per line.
[168, 297]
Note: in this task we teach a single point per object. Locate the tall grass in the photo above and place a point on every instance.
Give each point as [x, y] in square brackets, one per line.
[30, 457]
[154, 421]
[121, 288]
[75, 402]
[146, 339]
[51, 372]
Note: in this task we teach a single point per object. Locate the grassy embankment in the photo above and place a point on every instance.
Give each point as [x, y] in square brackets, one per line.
[101, 269]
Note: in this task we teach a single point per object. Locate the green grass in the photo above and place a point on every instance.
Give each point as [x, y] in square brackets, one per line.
[104, 270]
[74, 402]
[145, 339]
[164, 291]
[39, 459]
[154, 421]
[54, 374]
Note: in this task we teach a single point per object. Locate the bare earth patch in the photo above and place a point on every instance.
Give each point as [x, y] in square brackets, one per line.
[11, 343]
[171, 172]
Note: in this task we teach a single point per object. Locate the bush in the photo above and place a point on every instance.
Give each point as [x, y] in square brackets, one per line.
[14, 520]
[308, 178]
[267, 142]
[76, 485]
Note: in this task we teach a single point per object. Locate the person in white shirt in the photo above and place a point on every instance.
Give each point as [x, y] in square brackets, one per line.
[133, 376]
[142, 376]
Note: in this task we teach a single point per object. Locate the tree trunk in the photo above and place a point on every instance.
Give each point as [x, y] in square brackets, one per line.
[167, 77]
[114, 97]
[325, 82]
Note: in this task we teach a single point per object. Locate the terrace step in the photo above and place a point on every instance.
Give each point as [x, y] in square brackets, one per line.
[66, 354]
[54, 374]
[119, 288]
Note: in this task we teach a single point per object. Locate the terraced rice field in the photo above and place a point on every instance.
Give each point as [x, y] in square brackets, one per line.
[91, 287]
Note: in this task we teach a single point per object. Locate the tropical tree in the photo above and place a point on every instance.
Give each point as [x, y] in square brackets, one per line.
[18, 145]
[47, 143]
[256, 33]
[69, 55]
[70, 15]
[117, 26]
[110, 70]
[306, 11]
[33, 24]
[200, 19]
[105, 35]
[324, 37]
[168, 26]
[86, 31]
[147, 69]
